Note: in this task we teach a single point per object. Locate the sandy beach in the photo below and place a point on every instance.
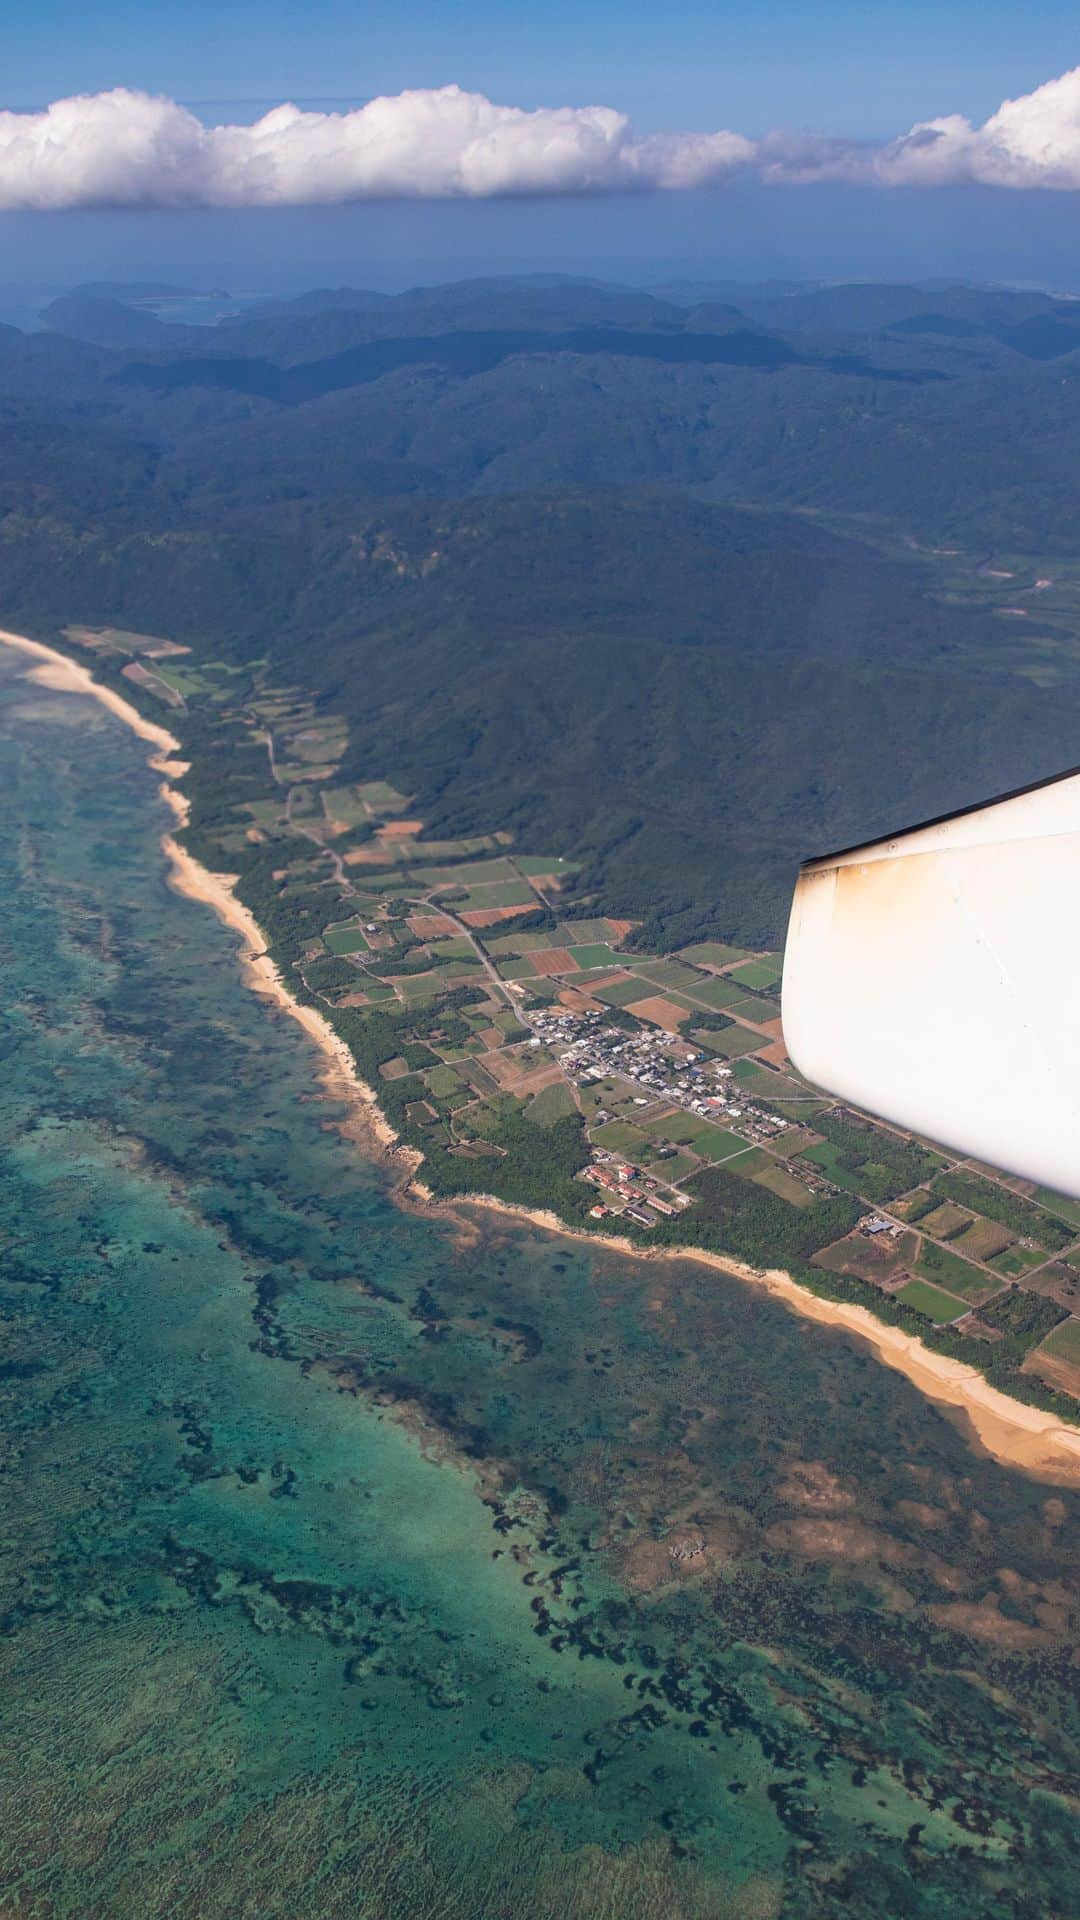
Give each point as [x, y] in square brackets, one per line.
[1012, 1432]
[196, 882]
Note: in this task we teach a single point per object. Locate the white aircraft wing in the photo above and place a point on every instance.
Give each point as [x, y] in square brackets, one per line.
[934, 979]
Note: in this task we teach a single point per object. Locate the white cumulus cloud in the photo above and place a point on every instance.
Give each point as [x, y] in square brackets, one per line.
[128, 149]
[134, 150]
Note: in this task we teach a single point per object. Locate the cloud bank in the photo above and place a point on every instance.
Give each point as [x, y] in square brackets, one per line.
[127, 149]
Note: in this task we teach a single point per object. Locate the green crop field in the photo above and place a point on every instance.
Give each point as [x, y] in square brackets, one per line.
[382, 797]
[535, 863]
[344, 804]
[784, 1184]
[716, 994]
[667, 973]
[757, 973]
[619, 1137]
[553, 1103]
[505, 893]
[517, 943]
[827, 1157]
[752, 1008]
[345, 940]
[981, 1240]
[594, 956]
[734, 1041]
[415, 988]
[265, 813]
[943, 1221]
[941, 1265]
[453, 947]
[764, 1083]
[1064, 1342]
[930, 1301]
[442, 1080]
[520, 969]
[1016, 1261]
[749, 1164]
[675, 1168]
[576, 933]
[455, 849]
[620, 993]
[702, 1136]
[468, 873]
[712, 953]
[1058, 1203]
[801, 1112]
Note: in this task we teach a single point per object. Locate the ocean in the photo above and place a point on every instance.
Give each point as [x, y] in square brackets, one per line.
[361, 1562]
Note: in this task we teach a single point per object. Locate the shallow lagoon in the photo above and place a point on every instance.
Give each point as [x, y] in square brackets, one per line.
[355, 1563]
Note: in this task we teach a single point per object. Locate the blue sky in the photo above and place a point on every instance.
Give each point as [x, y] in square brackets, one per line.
[860, 69]
[863, 72]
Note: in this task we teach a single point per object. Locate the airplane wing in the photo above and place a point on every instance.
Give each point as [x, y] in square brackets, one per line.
[933, 978]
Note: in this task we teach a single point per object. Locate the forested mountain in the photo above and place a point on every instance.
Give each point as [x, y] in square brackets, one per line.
[546, 542]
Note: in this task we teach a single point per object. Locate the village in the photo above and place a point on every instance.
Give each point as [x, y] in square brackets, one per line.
[662, 1068]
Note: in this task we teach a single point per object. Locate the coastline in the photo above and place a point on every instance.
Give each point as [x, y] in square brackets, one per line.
[1014, 1433]
[195, 882]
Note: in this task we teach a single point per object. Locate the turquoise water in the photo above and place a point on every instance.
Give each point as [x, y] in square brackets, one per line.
[355, 1566]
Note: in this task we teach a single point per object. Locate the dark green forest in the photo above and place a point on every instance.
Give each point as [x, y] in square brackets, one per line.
[632, 577]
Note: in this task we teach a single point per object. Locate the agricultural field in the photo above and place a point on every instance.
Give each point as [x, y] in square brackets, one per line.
[943, 1221]
[757, 973]
[539, 866]
[1016, 1261]
[733, 1042]
[880, 1259]
[944, 1268]
[931, 1301]
[1057, 1360]
[783, 1183]
[1059, 1205]
[348, 939]
[981, 1240]
[712, 953]
[594, 956]
[710, 991]
[553, 1103]
[1060, 1281]
[758, 1012]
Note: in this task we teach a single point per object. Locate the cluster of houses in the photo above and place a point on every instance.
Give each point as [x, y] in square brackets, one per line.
[638, 1193]
[660, 1064]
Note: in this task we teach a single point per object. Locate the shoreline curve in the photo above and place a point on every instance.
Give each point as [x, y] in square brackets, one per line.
[1014, 1433]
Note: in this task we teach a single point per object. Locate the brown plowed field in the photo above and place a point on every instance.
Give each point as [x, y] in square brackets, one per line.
[430, 926]
[553, 960]
[775, 1053]
[490, 916]
[367, 857]
[662, 1013]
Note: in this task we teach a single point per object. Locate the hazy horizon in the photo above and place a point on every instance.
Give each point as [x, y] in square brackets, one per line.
[745, 232]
